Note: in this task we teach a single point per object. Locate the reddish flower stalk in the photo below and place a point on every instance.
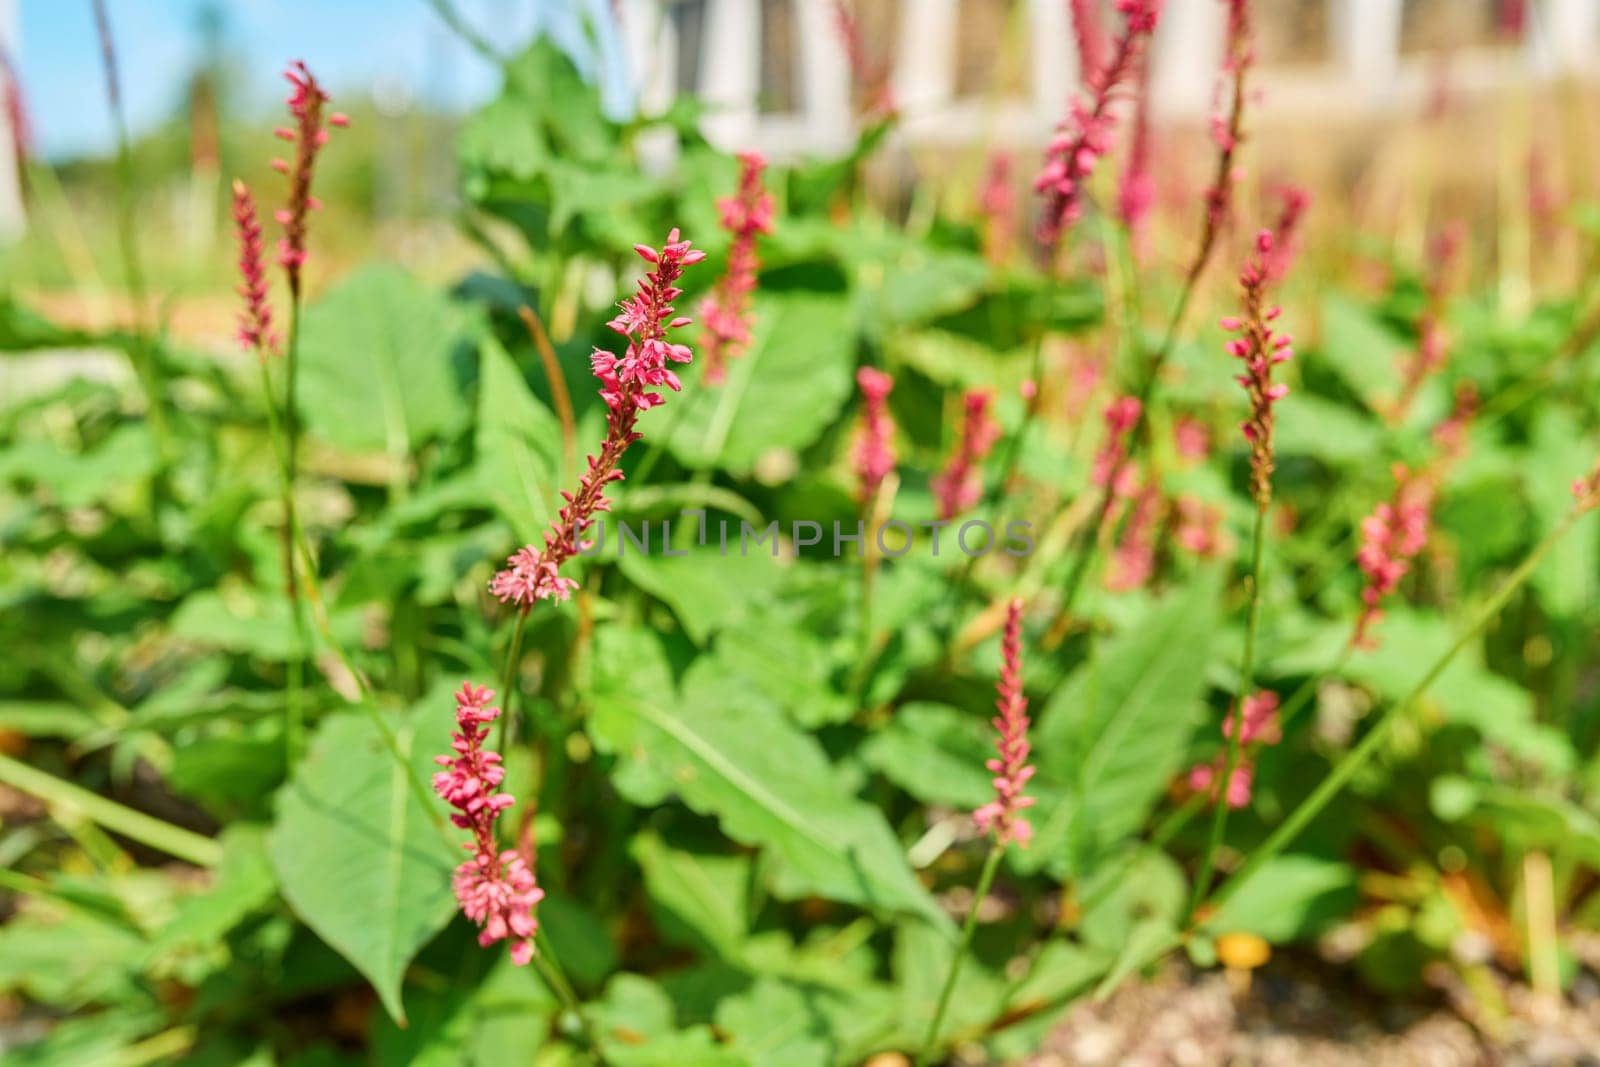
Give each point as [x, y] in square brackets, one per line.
[1090, 37]
[496, 889]
[1286, 232]
[997, 202]
[1261, 348]
[1227, 130]
[1085, 135]
[532, 574]
[306, 100]
[1111, 467]
[960, 485]
[1133, 560]
[1432, 341]
[1391, 537]
[725, 315]
[1199, 528]
[255, 318]
[874, 449]
[1003, 815]
[1136, 193]
[1450, 436]
[1260, 726]
[870, 74]
[1586, 490]
[16, 114]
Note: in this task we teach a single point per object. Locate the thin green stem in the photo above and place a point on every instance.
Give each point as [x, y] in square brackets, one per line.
[1358, 756]
[991, 865]
[1230, 763]
[66, 798]
[550, 969]
[508, 676]
[294, 708]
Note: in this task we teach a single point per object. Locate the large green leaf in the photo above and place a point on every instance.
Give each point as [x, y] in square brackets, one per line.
[1291, 897]
[936, 753]
[518, 444]
[1568, 579]
[1359, 348]
[732, 754]
[785, 390]
[378, 363]
[1117, 732]
[356, 855]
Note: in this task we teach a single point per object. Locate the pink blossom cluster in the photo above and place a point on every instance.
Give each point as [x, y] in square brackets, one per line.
[1261, 348]
[874, 456]
[1133, 559]
[1002, 815]
[1191, 437]
[997, 203]
[1111, 467]
[533, 574]
[1432, 340]
[1261, 727]
[870, 74]
[308, 135]
[1286, 231]
[1586, 490]
[1136, 192]
[1199, 528]
[726, 315]
[1227, 126]
[1089, 36]
[1085, 135]
[960, 484]
[1450, 435]
[496, 889]
[1391, 537]
[255, 319]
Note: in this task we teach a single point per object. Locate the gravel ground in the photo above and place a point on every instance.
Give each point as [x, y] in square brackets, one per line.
[1298, 1013]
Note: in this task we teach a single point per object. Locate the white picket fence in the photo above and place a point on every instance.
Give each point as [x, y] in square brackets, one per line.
[1367, 70]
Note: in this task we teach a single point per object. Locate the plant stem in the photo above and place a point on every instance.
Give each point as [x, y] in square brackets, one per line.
[558, 389]
[991, 864]
[1357, 757]
[143, 354]
[508, 676]
[145, 829]
[1230, 764]
[550, 969]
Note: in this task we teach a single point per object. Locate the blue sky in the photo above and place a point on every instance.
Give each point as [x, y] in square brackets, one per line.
[351, 44]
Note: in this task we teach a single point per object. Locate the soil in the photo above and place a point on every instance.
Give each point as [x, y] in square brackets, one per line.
[1306, 1013]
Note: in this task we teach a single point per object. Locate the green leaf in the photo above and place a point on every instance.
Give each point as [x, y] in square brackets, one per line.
[518, 444]
[1290, 898]
[637, 1029]
[1361, 350]
[1568, 579]
[776, 1023]
[359, 859]
[781, 394]
[706, 590]
[1118, 730]
[733, 755]
[251, 622]
[377, 363]
[936, 753]
[243, 883]
[1315, 426]
[706, 892]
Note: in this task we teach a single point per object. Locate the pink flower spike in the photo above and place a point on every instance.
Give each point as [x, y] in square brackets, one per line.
[874, 448]
[496, 889]
[1003, 815]
[305, 103]
[255, 319]
[960, 485]
[1261, 727]
[1261, 348]
[725, 314]
[1085, 134]
[1391, 537]
[533, 574]
[1110, 463]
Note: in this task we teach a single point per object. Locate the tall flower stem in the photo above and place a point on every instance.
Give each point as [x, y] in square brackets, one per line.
[1358, 756]
[550, 970]
[64, 797]
[294, 727]
[1219, 820]
[991, 865]
[508, 675]
[142, 355]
